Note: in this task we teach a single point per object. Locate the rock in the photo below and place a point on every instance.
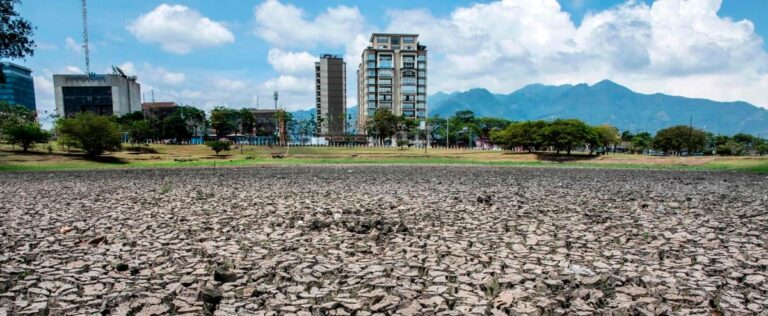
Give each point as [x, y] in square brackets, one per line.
[187, 280]
[209, 296]
[224, 275]
[97, 240]
[121, 267]
[754, 279]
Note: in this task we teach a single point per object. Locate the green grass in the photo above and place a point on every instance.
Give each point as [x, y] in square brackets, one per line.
[171, 156]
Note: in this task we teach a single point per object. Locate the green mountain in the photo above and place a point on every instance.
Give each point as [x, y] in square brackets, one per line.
[606, 102]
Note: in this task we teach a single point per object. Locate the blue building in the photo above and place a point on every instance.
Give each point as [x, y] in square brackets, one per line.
[16, 85]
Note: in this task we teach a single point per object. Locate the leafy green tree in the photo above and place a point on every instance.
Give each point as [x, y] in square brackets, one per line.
[676, 139]
[730, 148]
[527, 134]
[605, 136]
[92, 133]
[218, 146]
[25, 134]
[383, 125]
[129, 118]
[486, 125]
[224, 120]
[627, 136]
[139, 131]
[566, 134]
[247, 121]
[15, 114]
[15, 33]
[641, 142]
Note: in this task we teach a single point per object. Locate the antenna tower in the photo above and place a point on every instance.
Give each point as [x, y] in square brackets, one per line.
[85, 39]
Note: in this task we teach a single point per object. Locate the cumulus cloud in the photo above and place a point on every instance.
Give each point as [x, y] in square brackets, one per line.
[291, 62]
[73, 45]
[285, 25]
[179, 29]
[73, 70]
[673, 46]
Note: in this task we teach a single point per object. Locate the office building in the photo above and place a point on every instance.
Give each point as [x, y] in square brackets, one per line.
[331, 94]
[158, 109]
[17, 86]
[112, 94]
[392, 76]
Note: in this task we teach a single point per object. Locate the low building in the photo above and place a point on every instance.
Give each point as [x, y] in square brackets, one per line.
[17, 86]
[112, 94]
[158, 109]
[266, 122]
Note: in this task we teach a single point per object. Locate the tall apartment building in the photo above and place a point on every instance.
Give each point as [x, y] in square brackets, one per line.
[16, 85]
[392, 76]
[331, 94]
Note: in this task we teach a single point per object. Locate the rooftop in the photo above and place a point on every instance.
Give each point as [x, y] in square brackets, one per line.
[157, 105]
[17, 66]
[392, 34]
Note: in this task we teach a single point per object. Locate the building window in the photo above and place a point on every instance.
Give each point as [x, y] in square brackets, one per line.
[385, 90]
[371, 80]
[408, 58]
[385, 81]
[371, 56]
[371, 64]
[385, 61]
[422, 90]
[408, 40]
[408, 81]
[385, 73]
[409, 73]
[408, 89]
[422, 57]
[371, 104]
[422, 65]
[371, 97]
[422, 82]
[422, 73]
[421, 97]
[381, 39]
[372, 89]
[395, 40]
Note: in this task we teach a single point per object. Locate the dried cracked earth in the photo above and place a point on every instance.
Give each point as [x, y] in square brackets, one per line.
[383, 240]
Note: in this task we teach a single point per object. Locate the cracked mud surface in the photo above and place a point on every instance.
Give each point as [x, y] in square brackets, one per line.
[383, 240]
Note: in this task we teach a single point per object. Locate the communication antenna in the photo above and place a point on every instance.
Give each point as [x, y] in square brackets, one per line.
[153, 96]
[85, 39]
[275, 96]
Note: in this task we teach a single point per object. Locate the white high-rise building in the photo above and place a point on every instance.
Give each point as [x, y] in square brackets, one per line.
[392, 76]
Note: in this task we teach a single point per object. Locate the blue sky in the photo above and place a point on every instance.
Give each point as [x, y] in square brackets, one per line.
[228, 52]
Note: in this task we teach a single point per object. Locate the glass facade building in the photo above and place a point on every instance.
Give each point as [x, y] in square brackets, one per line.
[17, 86]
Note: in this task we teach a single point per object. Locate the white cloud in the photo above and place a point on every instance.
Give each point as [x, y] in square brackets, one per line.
[73, 45]
[229, 84]
[284, 25]
[179, 29]
[291, 62]
[674, 46]
[73, 70]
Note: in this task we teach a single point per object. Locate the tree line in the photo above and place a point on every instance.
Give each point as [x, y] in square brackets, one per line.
[98, 134]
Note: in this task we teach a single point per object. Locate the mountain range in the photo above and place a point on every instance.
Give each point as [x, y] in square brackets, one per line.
[605, 102]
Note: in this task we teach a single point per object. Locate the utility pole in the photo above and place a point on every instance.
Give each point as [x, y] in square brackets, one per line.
[85, 39]
[690, 136]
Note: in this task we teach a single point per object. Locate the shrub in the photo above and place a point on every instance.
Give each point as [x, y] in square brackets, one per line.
[87, 131]
[218, 146]
[25, 135]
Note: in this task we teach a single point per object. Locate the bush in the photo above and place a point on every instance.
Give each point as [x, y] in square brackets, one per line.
[218, 146]
[25, 135]
[402, 143]
[92, 133]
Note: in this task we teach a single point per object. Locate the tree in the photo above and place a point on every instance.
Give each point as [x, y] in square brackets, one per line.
[674, 140]
[383, 125]
[521, 134]
[627, 136]
[247, 121]
[486, 125]
[224, 121]
[182, 123]
[566, 134]
[730, 148]
[15, 33]
[641, 142]
[605, 136]
[139, 131]
[25, 134]
[15, 114]
[92, 133]
[218, 146]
